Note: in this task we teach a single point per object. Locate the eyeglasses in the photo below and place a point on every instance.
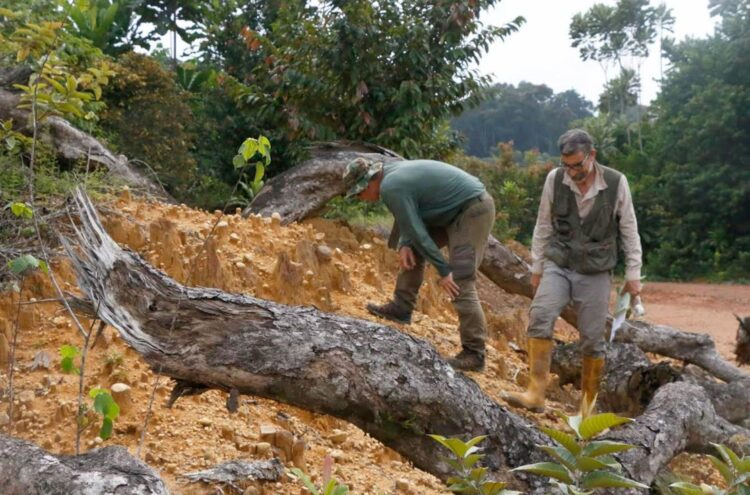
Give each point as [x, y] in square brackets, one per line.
[574, 166]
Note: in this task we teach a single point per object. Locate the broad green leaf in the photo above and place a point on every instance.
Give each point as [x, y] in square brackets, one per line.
[259, 171]
[248, 148]
[606, 479]
[22, 210]
[588, 464]
[23, 264]
[471, 459]
[562, 455]
[549, 469]
[567, 441]
[106, 430]
[492, 488]
[603, 447]
[239, 162]
[478, 474]
[687, 488]
[593, 425]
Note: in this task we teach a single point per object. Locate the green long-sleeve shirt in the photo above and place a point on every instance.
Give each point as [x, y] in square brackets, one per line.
[422, 194]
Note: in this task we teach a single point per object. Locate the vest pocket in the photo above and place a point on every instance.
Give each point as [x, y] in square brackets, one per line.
[598, 257]
[557, 252]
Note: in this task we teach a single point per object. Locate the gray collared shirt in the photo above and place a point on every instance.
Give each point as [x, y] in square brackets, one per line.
[543, 230]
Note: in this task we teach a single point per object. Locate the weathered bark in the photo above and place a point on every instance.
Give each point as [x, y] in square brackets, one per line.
[73, 145]
[392, 385]
[26, 469]
[631, 380]
[304, 190]
[680, 418]
[742, 342]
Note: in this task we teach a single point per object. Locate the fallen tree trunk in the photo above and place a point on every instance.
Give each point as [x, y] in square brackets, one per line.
[392, 385]
[73, 145]
[631, 380]
[304, 190]
[680, 418]
[26, 469]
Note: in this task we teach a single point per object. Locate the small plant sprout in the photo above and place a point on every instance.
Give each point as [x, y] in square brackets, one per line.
[470, 479]
[734, 470]
[583, 464]
[68, 353]
[330, 486]
[105, 405]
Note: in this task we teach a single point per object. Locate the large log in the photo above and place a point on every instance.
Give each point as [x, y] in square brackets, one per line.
[73, 145]
[26, 469]
[392, 385]
[631, 380]
[304, 190]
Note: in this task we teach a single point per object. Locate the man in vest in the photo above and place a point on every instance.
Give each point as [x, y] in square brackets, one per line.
[584, 207]
[434, 205]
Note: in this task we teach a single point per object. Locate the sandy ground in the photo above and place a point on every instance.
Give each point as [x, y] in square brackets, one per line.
[696, 307]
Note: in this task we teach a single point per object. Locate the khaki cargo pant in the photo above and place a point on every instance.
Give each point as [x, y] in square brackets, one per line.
[466, 238]
[590, 297]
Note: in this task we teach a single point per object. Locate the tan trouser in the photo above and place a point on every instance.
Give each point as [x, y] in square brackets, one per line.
[590, 297]
[466, 238]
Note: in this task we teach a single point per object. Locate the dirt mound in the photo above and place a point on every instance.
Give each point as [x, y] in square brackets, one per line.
[320, 263]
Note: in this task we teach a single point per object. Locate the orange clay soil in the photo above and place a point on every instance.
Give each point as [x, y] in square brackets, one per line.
[262, 258]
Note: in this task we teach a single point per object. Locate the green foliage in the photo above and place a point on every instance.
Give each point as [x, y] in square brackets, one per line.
[68, 353]
[390, 73]
[22, 210]
[252, 153]
[516, 189]
[107, 24]
[531, 116]
[149, 119]
[734, 469]
[105, 405]
[329, 487]
[470, 478]
[25, 264]
[583, 464]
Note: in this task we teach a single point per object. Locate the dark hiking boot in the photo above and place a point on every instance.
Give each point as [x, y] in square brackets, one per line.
[467, 360]
[390, 311]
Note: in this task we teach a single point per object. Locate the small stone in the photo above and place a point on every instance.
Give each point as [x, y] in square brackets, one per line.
[337, 455]
[57, 438]
[121, 395]
[324, 253]
[98, 440]
[4, 419]
[251, 490]
[233, 237]
[366, 246]
[338, 437]
[262, 448]
[205, 422]
[403, 486]
[240, 265]
[26, 397]
[276, 218]
[227, 432]
[267, 433]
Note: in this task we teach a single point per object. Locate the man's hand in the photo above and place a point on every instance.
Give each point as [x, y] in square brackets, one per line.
[449, 286]
[633, 287]
[406, 258]
[536, 278]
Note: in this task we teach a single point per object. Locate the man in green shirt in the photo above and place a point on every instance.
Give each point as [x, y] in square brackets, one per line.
[434, 204]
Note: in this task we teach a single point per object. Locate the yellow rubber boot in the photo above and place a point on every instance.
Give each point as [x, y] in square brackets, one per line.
[591, 376]
[540, 358]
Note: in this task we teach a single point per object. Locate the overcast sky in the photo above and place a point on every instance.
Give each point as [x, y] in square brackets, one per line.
[540, 51]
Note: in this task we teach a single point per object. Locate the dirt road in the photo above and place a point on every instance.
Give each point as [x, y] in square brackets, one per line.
[696, 307]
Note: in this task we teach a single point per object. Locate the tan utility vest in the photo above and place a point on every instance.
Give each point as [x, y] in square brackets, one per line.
[588, 246]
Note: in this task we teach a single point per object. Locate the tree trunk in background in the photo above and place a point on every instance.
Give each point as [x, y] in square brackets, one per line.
[74, 146]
